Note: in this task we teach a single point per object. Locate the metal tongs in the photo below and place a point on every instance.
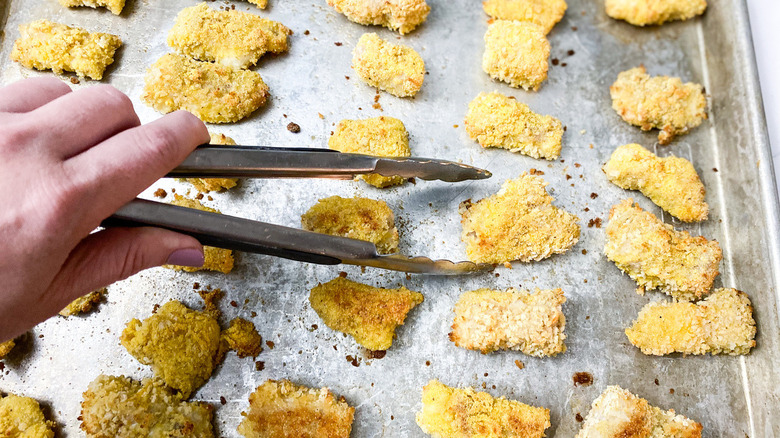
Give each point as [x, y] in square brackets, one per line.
[239, 234]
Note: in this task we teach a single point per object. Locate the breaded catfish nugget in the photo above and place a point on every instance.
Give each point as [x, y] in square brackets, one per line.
[215, 259]
[400, 15]
[489, 320]
[214, 184]
[115, 6]
[281, 409]
[45, 45]
[660, 102]
[497, 121]
[460, 413]
[22, 417]
[657, 256]
[516, 52]
[545, 13]
[645, 12]
[671, 183]
[394, 68]
[617, 413]
[84, 303]
[517, 223]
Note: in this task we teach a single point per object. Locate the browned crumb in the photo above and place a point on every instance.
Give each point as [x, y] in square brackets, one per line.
[84, 304]
[582, 379]
[293, 127]
[160, 193]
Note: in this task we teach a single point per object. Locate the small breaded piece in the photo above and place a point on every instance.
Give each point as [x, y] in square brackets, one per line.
[356, 218]
[545, 13]
[497, 121]
[516, 52]
[282, 409]
[617, 413]
[242, 337]
[45, 45]
[215, 259]
[179, 343]
[660, 102]
[517, 223]
[368, 314]
[115, 6]
[464, 413]
[232, 38]
[401, 15]
[84, 304]
[6, 347]
[21, 417]
[648, 12]
[380, 137]
[657, 256]
[119, 407]
[722, 323]
[213, 92]
[394, 68]
[489, 320]
[206, 185]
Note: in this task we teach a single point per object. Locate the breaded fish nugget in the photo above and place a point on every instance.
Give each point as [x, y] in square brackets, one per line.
[213, 92]
[368, 314]
[516, 52]
[497, 121]
[215, 259]
[6, 347]
[21, 417]
[644, 12]
[115, 6]
[671, 183]
[232, 38]
[658, 102]
[205, 185]
[119, 407]
[517, 223]
[45, 45]
[545, 13]
[401, 15]
[658, 257]
[281, 409]
[460, 413]
[380, 137]
[84, 304]
[394, 68]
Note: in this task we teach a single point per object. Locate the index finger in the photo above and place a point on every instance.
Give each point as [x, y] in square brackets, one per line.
[28, 94]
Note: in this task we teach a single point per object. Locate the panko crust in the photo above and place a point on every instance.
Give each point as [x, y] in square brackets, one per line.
[215, 259]
[115, 6]
[368, 314]
[206, 185]
[544, 13]
[6, 347]
[380, 137]
[657, 256]
[517, 223]
[243, 338]
[649, 12]
[232, 38]
[671, 182]
[660, 102]
[617, 413]
[517, 53]
[401, 15]
[212, 92]
[119, 407]
[85, 303]
[45, 45]
[497, 121]
[456, 413]
[722, 323]
[282, 409]
[395, 68]
[21, 417]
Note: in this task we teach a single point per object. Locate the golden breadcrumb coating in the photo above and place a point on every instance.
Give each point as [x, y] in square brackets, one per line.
[242, 337]
[657, 256]
[517, 223]
[401, 15]
[357, 218]
[617, 413]
[489, 320]
[660, 102]
[516, 52]
[281, 409]
[232, 38]
[380, 137]
[6, 347]
[206, 185]
[213, 92]
[721, 323]
[645, 12]
[179, 343]
[45, 45]
[215, 259]
[544, 13]
[394, 68]
[21, 417]
[115, 6]
[463, 413]
[368, 314]
[497, 121]
[119, 407]
[84, 304]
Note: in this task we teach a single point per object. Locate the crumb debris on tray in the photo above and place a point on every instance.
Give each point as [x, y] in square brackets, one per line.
[395, 68]
[517, 53]
[215, 259]
[653, 12]
[85, 303]
[22, 417]
[544, 13]
[401, 15]
[206, 185]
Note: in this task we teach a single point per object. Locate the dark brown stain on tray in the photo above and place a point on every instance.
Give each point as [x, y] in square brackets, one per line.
[582, 379]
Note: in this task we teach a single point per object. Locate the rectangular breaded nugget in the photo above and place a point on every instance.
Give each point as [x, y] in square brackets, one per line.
[216, 259]
[545, 13]
[516, 52]
[464, 413]
[394, 68]
[45, 45]
[206, 185]
[657, 256]
[115, 6]
[649, 12]
[401, 15]
[489, 320]
[22, 417]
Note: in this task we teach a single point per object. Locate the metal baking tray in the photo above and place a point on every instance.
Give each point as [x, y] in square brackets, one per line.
[730, 396]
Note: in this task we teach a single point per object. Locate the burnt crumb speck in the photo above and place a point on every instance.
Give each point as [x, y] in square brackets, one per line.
[584, 251]
[578, 417]
[656, 382]
[555, 61]
[346, 77]
[376, 354]
[195, 286]
[535, 172]
[222, 400]
[594, 195]
[574, 28]
[577, 165]
[427, 363]
[413, 181]
[343, 274]
[582, 379]
[564, 130]
[337, 43]
[270, 344]
[74, 80]
[714, 169]
[570, 52]
[199, 196]
[293, 127]
[671, 391]
[234, 304]
[155, 308]
[306, 32]
[586, 209]
[568, 177]
[209, 198]
[160, 193]
[353, 360]
[253, 314]
[594, 223]
[259, 365]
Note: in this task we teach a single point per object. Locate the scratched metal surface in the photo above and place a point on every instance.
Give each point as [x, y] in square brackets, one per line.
[730, 396]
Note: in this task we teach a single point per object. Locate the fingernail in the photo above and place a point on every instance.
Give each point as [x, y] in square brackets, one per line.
[186, 257]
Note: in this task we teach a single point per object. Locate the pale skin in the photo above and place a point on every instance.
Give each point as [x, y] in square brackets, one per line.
[69, 160]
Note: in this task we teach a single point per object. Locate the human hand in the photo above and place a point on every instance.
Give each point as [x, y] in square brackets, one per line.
[69, 160]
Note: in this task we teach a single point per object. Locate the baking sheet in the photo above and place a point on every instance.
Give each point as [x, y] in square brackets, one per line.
[730, 396]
